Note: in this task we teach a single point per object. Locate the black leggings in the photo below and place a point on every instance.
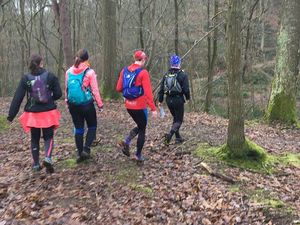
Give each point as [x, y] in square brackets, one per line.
[80, 114]
[176, 107]
[140, 118]
[35, 142]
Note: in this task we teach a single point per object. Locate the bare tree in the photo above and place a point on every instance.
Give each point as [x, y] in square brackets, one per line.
[109, 48]
[236, 133]
[61, 11]
[211, 57]
[176, 28]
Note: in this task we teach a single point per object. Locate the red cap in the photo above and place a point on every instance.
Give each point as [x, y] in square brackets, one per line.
[139, 55]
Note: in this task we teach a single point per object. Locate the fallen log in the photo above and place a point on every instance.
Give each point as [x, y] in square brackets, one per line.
[217, 174]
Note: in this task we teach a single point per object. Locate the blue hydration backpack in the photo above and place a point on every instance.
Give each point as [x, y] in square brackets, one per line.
[77, 94]
[38, 88]
[130, 91]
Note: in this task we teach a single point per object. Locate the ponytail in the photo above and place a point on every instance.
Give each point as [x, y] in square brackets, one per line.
[77, 61]
[81, 56]
[34, 64]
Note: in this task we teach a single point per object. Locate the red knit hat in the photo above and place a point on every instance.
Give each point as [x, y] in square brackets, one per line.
[139, 55]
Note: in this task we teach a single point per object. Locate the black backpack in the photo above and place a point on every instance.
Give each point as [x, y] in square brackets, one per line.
[171, 84]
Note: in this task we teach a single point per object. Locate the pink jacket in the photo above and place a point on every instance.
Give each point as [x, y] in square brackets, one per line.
[90, 80]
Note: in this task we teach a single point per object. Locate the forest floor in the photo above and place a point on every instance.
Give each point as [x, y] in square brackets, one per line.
[170, 188]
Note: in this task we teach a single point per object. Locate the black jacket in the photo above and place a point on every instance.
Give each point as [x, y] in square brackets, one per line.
[23, 89]
[182, 79]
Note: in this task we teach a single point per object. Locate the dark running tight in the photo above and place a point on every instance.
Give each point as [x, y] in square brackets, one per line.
[35, 142]
[80, 114]
[140, 118]
[176, 107]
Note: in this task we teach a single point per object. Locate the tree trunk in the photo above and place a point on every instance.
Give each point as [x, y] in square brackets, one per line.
[176, 28]
[109, 48]
[61, 12]
[236, 135]
[211, 58]
[66, 31]
[282, 102]
[141, 24]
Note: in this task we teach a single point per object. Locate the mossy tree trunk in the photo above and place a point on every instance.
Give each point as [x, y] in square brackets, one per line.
[236, 135]
[282, 101]
[109, 44]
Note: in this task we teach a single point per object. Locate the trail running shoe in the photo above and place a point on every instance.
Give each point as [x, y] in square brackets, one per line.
[48, 164]
[125, 148]
[179, 140]
[139, 158]
[85, 154]
[167, 139]
[36, 168]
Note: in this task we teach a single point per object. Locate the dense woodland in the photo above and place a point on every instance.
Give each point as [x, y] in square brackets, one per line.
[242, 59]
[112, 30]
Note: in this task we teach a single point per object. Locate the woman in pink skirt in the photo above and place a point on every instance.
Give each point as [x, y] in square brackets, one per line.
[40, 114]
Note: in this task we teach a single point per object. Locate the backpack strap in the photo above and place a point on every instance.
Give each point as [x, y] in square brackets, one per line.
[137, 71]
[84, 73]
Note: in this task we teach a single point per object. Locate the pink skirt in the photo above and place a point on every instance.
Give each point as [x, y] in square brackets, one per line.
[40, 119]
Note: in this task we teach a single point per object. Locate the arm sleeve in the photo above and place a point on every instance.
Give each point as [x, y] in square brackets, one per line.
[17, 99]
[93, 83]
[119, 86]
[57, 92]
[185, 87]
[148, 90]
[161, 90]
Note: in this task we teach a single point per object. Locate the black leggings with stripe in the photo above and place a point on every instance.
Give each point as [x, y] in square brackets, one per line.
[140, 118]
[35, 142]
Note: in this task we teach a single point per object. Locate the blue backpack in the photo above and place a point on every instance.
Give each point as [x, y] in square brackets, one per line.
[77, 94]
[130, 91]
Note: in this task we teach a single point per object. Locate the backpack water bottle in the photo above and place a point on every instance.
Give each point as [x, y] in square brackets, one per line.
[161, 112]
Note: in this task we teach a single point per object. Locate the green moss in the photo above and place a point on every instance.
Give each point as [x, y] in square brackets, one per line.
[251, 154]
[282, 108]
[234, 188]
[275, 203]
[255, 160]
[67, 140]
[3, 124]
[264, 197]
[141, 188]
[289, 159]
[125, 173]
[69, 163]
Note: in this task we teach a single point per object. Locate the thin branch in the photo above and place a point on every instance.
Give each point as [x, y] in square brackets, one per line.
[198, 41]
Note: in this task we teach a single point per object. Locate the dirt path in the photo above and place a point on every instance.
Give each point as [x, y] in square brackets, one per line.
[168, 189]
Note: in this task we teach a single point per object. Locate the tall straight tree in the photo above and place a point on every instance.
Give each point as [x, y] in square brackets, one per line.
[211, 54]
[109, 48]
[141, 26]
[61, 11]
[282, 101]
[176, 38]
[236, 133]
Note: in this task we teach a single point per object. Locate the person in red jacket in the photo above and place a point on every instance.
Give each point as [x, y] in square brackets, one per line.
[137, 107]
